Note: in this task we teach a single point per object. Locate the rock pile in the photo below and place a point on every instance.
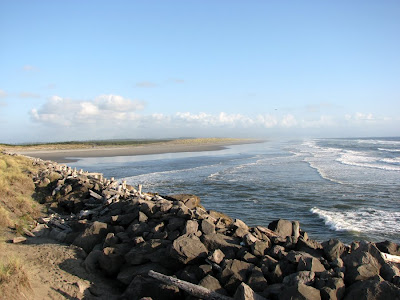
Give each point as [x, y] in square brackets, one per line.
[126, 234]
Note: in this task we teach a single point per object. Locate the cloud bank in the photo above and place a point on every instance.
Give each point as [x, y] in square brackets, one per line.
[113, 116]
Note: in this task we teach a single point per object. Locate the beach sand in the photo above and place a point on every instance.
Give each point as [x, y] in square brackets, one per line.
[72, 155]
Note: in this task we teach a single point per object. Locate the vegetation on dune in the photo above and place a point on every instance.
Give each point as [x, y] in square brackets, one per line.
[17, 210]
[13, 277]
[17, 207]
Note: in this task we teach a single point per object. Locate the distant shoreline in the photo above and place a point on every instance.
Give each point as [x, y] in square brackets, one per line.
[176, 146]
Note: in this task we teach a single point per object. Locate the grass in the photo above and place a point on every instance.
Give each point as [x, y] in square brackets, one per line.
[13, 278]
[17, 208]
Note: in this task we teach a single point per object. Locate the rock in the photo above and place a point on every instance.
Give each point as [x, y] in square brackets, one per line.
[219, 241]
[257, 281]
[389, 247]
[277, 252]
[127, 273]
[141, 253]
[300, 291]
[302, 277]
[333, 249]
[273, 291]
[389, 272]
[244, 292]
[207, 226]
[282, 227]
[216, 256]
[249, 239]
[188, 249]
[311, 247]
[372, 290]
[175, 223]
[191, 201]
[258, 248]
[191, 226]
[91, 261]
[212, 283]
[363, 263]
[240, 224]
[111, 261]
[143, 286]
[142, 217]
[239, 268]
[92, 235]
[310, 264]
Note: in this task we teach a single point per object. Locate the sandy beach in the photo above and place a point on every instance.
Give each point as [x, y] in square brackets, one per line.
[72, 155]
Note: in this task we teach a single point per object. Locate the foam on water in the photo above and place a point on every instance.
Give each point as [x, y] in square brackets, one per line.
[361, 159]
[389, 150]
[366, 220]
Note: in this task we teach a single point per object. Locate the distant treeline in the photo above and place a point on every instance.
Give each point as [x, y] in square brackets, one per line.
[94, 143]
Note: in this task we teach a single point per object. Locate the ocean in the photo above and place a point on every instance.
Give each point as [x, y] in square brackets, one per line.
[337, 188]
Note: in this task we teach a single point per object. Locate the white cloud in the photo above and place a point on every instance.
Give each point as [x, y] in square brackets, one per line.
[3, 94]
[288, 121]
[103, 110]
[267, 121]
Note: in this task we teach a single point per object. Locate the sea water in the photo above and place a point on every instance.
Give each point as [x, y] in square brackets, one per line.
[337, 188]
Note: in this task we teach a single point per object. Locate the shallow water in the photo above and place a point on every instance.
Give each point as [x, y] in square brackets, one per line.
[343, 188]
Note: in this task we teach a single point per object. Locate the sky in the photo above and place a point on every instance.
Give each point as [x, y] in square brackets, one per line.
[86, 70]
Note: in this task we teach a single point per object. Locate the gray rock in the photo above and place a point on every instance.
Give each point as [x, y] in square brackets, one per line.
[188, 249]
[257, 281]
[389, 247]
[216, 256]
[207, 226]
[302, 277]
[244, 292]
[141, 253]
[300, 292]
[372, 290]
[142, 286]
[310, 264]
[111, 261]
[258, 248]
[191, 226]
[282, 227]
[363, 263]
[127, 273]
[92, 235]
[220, 241]
[91, 262]
[333, 249]
[212, 283]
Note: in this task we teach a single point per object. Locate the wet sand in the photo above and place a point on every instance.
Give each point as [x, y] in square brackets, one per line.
[72, 155]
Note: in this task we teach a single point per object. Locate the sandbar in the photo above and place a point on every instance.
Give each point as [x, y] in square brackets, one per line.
[72, 155]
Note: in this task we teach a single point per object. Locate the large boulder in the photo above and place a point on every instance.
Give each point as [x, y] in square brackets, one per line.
[300, 292]
[372, 290]
[244, 292]
[212, 283]
[363, 263]
[225, 243]
[188, 249]
[143, 286]
[191, 201]
[282, 227]
[92, 236]
[333, 249]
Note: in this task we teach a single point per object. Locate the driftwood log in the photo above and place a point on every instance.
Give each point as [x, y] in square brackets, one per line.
[192, 289]
[390, 257]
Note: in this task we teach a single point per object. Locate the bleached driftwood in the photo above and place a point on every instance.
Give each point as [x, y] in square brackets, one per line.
[192, 289]
[390, 257]
[95, 195]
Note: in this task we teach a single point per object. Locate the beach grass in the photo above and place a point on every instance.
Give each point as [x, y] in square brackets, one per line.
[17, 207]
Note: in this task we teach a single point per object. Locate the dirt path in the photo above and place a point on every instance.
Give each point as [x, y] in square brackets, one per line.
[55, 271]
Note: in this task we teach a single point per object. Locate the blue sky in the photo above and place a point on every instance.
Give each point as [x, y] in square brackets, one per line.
[73, 70]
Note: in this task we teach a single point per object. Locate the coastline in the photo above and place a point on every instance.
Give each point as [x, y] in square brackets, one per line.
[72, 155]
